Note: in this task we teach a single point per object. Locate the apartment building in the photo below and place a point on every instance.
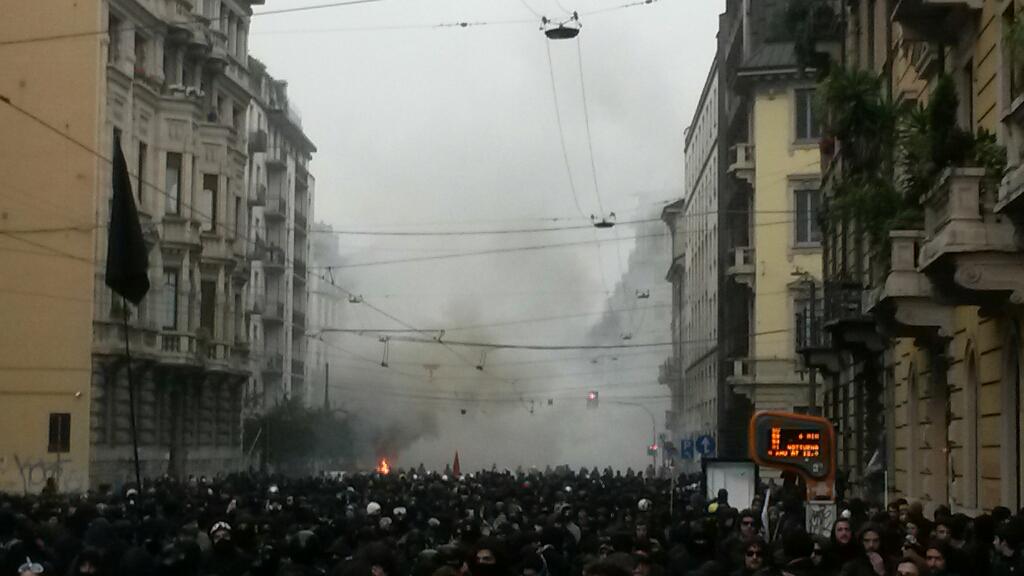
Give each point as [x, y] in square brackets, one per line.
[281, 194]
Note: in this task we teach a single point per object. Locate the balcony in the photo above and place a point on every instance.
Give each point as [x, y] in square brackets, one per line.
[668, 373]
[179, 231]
[741, 162]
[933, 20]
[217, 249]
[740, 372]
[178, 348]
[218, 57]
[274, 312]
[258, 303]
[277, 159]
[970, 252]
[906, 305]
[274, 261]
[240, 247]
[273, 364]
[762, 379]
[741, 265]
[257, 141]
[258, 196]
[845, 323]
[240, 355]
[276, 208]
[218, 355]
[108, 338]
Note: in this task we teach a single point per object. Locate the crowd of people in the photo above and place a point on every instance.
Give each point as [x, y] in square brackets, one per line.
[413, 523]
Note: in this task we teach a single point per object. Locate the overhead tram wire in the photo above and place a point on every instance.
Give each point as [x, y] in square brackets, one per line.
[586, 121]
[561, 131]
[443, 25]
[392, 317]
[476, 253]
[475, 232]
[195, 18]
[560, 347]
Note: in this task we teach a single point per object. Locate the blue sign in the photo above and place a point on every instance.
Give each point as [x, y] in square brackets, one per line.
[686, 449]
[706, 445]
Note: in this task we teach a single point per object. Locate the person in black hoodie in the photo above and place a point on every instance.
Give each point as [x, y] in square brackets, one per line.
[224, 559]
[797, 548]
[842, 547]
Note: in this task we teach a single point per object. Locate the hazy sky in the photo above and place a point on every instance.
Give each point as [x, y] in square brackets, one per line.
[455, 128]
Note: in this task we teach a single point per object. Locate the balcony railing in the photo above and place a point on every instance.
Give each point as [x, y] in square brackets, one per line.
[258, 141]
[176, 230]
[274, 312]
[741, 161]
[276, 208]
[933, 20]
[274, 260]
[179, 347]
[741, 264]
[959, 218]
[273, 363]
[668, 372]
[277, 158]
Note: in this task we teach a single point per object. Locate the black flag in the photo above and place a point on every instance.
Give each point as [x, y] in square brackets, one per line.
[127, 256]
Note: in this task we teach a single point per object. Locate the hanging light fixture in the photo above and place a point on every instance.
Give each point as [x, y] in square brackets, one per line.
[564, 30]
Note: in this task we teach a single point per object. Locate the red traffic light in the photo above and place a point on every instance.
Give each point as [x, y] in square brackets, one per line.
[592, 396]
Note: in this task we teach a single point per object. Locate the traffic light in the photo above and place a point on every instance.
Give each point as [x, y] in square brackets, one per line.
[592, 399]
[652, 450]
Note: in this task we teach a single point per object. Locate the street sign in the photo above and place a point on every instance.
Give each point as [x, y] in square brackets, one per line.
[686, 449]
[706, 445]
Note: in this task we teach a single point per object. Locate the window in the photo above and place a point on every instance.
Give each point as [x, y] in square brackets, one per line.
[143, 151]
[806, 325]
[60, 433]
[807, 229]
[208, 306]
[239, 217]
[209, 204]
[172, 184]
[140, 54]
[114, 37]
[807, 125]
[170, 311]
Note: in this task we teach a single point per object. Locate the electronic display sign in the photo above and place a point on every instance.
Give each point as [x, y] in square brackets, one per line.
[803, 444]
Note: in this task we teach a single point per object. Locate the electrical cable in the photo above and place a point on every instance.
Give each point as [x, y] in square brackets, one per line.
[586, 120]
[479, 253]
[561, 132]
[194, 17]
[474, 232]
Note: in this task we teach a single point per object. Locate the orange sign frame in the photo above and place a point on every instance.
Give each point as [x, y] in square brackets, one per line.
[813, 448]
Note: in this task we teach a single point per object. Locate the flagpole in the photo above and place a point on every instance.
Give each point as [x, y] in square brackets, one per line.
[131, 396]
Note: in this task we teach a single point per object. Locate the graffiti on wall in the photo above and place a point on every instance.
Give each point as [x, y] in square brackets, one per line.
[30, 474]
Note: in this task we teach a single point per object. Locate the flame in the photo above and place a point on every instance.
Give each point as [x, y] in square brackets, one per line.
[384, 467]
